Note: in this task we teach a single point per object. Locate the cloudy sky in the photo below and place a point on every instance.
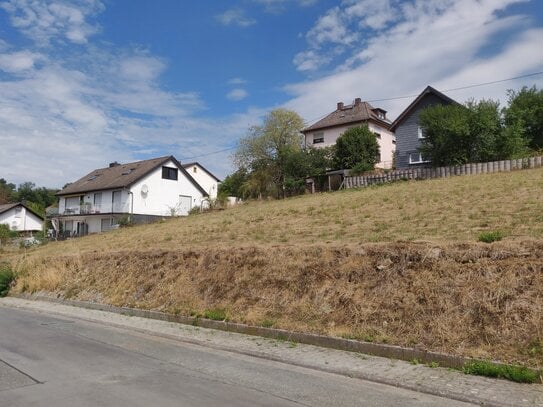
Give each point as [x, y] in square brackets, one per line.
[87, 82]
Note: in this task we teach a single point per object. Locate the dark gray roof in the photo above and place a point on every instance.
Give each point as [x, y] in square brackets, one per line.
[121, 176]
[202, 167]
[357, 112]
[427, 91]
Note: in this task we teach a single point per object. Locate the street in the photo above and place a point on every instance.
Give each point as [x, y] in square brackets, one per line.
[55, 361]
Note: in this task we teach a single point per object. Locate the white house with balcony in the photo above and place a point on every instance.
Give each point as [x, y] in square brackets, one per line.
[20, 218]
[208, 181]
[143, 190]
[326, 131]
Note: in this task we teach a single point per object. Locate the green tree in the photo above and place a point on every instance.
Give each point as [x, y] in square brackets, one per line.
[456, 134]
[6, 191]
[265, 151]
[357, 149]
[525, 111]
[231, 185]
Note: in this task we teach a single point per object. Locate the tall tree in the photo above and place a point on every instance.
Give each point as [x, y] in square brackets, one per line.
[6, 191]
[456, 134]
[357, 149]
[265, 150]
[525, 110]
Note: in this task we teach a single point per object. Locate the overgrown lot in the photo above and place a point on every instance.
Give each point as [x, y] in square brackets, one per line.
[398, 264]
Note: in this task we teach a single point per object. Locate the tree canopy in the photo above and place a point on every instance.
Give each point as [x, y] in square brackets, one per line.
[525, 110]
[357, 149]
[456, 134]
[36, 198]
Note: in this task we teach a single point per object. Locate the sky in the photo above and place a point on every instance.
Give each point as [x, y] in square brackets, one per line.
[87, 82]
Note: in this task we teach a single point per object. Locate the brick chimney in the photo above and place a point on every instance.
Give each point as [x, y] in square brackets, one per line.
[357, 101]
[113, 164]
[339, 105]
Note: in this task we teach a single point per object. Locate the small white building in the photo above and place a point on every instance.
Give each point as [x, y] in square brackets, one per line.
[143, 190]
[20, 218]
[326, 131]
[208, 181]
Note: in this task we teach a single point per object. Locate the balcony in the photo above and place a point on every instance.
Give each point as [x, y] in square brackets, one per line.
[90, 209]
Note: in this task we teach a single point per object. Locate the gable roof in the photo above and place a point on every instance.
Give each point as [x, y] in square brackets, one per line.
[7, 207]
[427, 91]
[357, 112]
[122, 176]
[202, 167]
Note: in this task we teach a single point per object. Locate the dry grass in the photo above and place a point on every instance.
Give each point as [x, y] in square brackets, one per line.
[311, 264]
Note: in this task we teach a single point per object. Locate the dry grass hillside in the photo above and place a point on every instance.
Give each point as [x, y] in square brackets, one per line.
[398, 263]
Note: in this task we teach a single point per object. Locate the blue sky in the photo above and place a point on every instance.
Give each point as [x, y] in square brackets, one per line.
[86, 82]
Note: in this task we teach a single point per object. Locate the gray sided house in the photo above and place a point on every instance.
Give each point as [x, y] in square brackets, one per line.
[408, 131]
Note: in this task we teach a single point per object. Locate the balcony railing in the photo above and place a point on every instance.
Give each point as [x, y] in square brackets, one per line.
[89, 209]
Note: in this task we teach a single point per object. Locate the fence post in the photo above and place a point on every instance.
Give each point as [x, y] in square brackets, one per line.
[507, 165]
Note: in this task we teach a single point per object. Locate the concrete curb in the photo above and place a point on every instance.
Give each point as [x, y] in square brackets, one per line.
[382, 350]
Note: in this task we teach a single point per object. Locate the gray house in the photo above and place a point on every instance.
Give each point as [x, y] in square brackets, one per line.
[408, 131]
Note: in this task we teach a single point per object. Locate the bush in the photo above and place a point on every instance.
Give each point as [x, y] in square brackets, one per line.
[489, 237]
[519, 374]
[124, 221]
[216, 314]
[6, 278]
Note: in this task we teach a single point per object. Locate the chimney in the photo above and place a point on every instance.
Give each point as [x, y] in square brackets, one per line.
[113, 164]
[357, 101]
[339, 105]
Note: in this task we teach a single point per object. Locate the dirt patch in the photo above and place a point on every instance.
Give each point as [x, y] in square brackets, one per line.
[474, 300]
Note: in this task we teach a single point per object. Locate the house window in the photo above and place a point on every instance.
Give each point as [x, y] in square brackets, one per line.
[169, 173]
[417, 158]
[106, 224]
[377, 135]
[194, 169]
[378, 158]
[318, 138]
[420, 133]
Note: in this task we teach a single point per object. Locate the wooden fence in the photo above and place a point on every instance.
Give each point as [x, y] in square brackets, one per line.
[442, 172]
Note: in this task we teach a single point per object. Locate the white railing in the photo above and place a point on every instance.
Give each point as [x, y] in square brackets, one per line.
[89, 209]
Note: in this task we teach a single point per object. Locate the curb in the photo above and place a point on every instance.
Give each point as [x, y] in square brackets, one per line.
[374, 349]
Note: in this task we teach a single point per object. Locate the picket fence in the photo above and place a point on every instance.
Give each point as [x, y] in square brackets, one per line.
[443, 172]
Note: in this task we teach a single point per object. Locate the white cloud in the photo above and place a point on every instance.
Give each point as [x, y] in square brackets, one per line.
[439, 42]
[237, 94]
[277, 6]
[20, 61]
[237, 81]
[235, 17]
[310, 60]
[42, 20]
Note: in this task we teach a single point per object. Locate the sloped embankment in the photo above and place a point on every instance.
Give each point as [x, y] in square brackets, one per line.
[468, 299]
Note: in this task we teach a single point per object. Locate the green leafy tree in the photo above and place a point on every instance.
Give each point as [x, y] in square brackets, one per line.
[265, 152]
[6, 191]
[525, 111]
[456, 134]
[357, 148]
[231, 185]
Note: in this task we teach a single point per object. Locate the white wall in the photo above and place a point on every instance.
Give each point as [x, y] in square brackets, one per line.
[207, 182]
[21, 220]
[163, 194]
[386, 142]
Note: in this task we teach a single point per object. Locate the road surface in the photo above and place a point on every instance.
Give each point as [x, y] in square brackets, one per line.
[50, 360]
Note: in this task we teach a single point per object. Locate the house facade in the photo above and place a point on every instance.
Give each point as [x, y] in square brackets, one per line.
[142, 190]
[20, 218]
[326, 131]
[409, 134]
[208, 181]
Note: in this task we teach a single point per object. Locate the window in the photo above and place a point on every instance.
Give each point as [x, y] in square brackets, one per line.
[318, 138]
[98, 198]
[194, 169]
[169, 173]
[377, 135]
[420, 133]
[106, 224]
[378, 157]
[417, 158]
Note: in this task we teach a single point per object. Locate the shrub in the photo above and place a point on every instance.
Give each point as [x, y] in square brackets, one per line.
[6, 278]
[124, 221]
[489, 237]
[519, 374]
[216, 314]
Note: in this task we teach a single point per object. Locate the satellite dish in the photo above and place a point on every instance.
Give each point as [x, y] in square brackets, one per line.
[144, 190]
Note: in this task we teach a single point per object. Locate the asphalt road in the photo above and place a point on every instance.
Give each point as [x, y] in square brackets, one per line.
[48, 360]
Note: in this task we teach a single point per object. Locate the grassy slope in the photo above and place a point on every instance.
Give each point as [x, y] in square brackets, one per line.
[396, 263]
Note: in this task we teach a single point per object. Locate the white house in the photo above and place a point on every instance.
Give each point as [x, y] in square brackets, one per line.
[326, 131]
[20, 218]
[208, 181]
[143, 190]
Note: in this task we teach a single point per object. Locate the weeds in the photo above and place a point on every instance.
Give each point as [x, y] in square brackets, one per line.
[267, 323]
[519, 374]
[217, 314]
[489, 237]
[7, 276]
